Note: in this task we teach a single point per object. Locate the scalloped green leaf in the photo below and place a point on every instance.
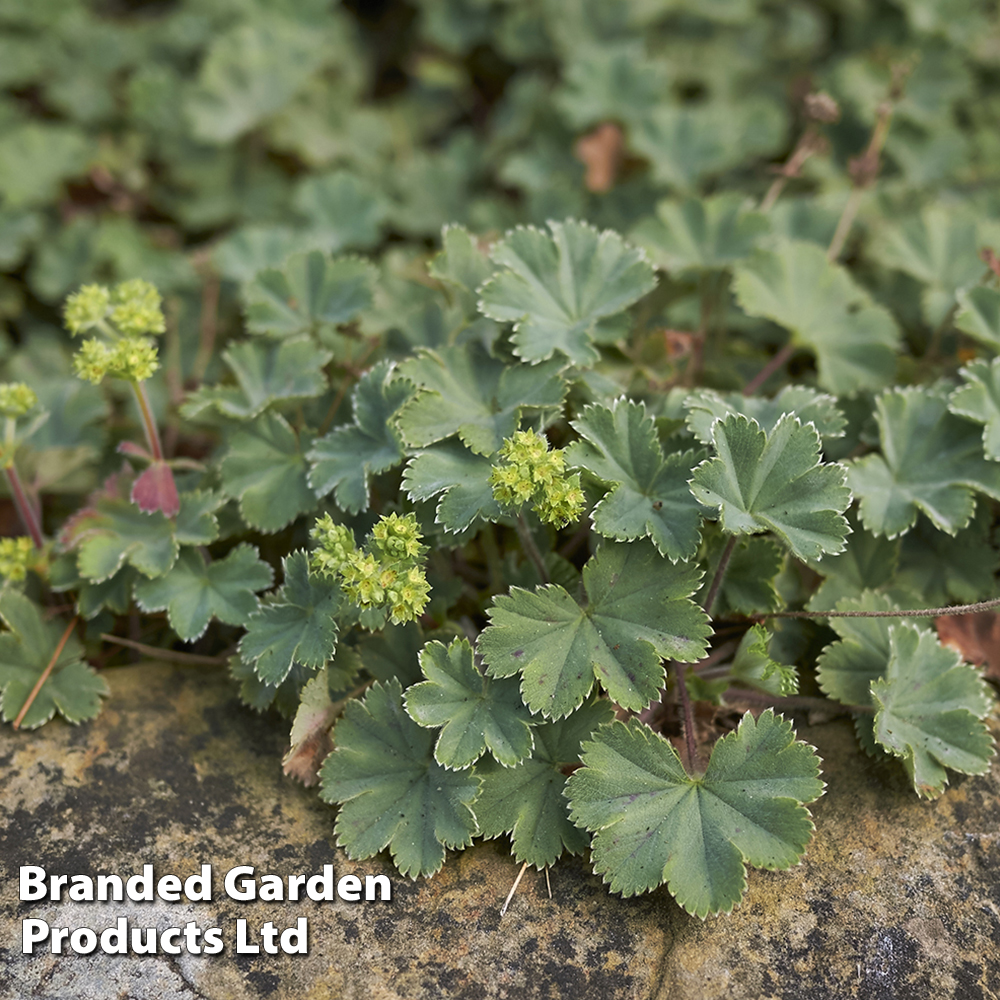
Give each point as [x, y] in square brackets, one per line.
[295, 625]
[979, 400]
[265, 373]
[309, 293]
[195, 591]
[653, 823]
[342, 210]
[72, 689]
[748, 586]
[559, 291]
[761, 482]
[649, 495]
[462, 266]
[462, 480]
[931, 462]
[528, 800]
[754, 665]
[704, 406]
[265, 470]
[855, 341]
[473, 712]
[702, 234]
[979, 314]
[638, 613]
[464, 391]
[930, 706]
[343, 461]
[392, 793]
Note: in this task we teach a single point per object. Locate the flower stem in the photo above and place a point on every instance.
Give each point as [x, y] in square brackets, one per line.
[148, 423]
[694, 765]
[24, 507]
[955, 609]
[779, 360]
[531, 549]
[720, 573]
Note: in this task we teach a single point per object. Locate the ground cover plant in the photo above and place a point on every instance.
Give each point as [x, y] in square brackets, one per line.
[540, 405]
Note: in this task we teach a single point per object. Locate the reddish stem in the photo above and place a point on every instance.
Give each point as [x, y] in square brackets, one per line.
[148, 423]
[24, 507]
[45, 673]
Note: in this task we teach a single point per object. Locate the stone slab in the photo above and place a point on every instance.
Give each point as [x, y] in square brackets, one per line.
[897, 899]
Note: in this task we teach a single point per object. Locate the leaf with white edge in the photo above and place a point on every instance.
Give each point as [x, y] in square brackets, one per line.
[308, 293]
[265, 469]
[855, 341]
[704, 234]
[818, 408]
[754, 665]
[296, 625]
[528, 800]
[775, 482]
[979, 400]
[258, 695]
[639, 612]
[868, 563]
[474, 713]
[655, 823]
[113, 532]
[931, 462]
[72, 689]
[557, 290]
[929, 709]
[650, 495]
[266, 373]
[194, 591]
[391, 791]
[461, 476]
[464, 391]
[979, 314]
[343, 461]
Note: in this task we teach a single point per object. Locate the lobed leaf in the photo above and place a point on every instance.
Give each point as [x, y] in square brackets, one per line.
[462, 480]
[979, 400]
[391, 791]
[655, 823]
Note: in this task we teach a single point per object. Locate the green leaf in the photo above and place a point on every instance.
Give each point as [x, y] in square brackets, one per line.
[929, 709]
[979, 400]
[775, 481]
[557, 290]
[342, 211]
[392, 793]
[527, 800]
[285, 697]
[113, 532]
[475, 713]
[748, 587]
[265, 373]
[464, 391]
[72, 689]
[638, 613]
[655, 823]
[855, 341]
[462, 267]
[194, 590]
[250, 72]
[297, 625]
[265, 469]
[36, 158]
[931, 462]
[979, 314]
[702, 234]
[460, 477]
[810, 406]
[753, 665]
[309, 293]
[650, 495]
[344, 461]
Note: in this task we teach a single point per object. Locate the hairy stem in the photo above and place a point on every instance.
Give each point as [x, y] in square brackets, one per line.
[955, 609]
[148, 422]
[779, 360]
[531, 549]
[687, 709]
[793, 701]
[45, 673]
[720, 573]
[25, 508]
[170, 655]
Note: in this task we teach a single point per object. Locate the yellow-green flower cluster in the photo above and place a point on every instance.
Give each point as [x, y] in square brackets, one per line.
[529, 471]
[385, 574]
[17, 556]
[123, 316]
[16, 399]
